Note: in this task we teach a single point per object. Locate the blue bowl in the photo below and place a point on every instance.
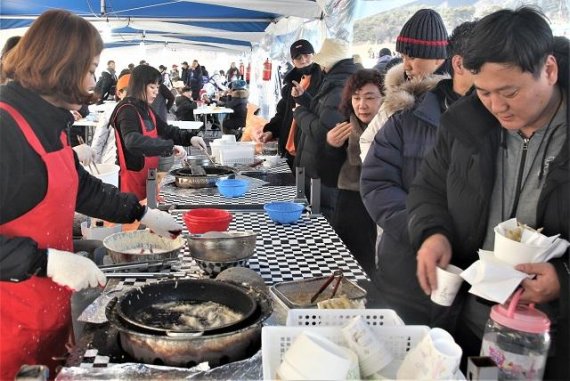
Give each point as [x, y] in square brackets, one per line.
[232, 187]
[284, 212]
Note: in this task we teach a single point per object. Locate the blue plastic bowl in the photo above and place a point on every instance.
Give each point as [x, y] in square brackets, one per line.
[284, 212]
[232, 187]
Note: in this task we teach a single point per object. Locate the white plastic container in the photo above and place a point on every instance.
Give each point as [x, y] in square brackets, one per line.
[108, 173]
[242, 153]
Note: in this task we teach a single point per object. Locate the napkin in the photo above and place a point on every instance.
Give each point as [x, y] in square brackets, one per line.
[436, 357]
[493, 276]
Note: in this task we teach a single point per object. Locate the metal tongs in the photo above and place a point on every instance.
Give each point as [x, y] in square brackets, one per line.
[336, 274]
[81, 141]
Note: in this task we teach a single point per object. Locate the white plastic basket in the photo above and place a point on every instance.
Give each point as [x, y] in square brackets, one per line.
[240, 153]
[336, 318]
[276, 340]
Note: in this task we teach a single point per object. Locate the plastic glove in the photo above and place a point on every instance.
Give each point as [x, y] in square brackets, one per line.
[85, 154]
[73, 270]
[179, 152]
[198, 142]
[161, 223]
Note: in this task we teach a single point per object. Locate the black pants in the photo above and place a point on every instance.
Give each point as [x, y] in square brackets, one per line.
[357, 230]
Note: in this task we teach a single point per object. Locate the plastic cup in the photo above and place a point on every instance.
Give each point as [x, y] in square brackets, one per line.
[317, 358]
[269, 149]
[448, 283]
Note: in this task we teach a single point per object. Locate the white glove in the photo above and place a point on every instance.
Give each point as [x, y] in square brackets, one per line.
[198, 142]
[73, 270]
[179, 152]
[161, 223]
[85, 154]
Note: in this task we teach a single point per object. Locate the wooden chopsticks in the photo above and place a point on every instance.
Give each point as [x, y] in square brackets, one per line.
[81, 141]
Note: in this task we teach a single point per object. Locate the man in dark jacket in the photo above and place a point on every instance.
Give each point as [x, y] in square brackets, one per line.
[501, 153]
[184, 73]
[195, 79]
[280, 125]
[384, 57]
[185, 106]
[317, 115]
[393, 161]
[105, 86]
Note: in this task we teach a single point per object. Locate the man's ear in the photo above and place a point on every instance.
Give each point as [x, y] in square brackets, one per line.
[457, 64]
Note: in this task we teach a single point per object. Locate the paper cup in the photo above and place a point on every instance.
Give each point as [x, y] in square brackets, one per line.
[448, 283]
[317, 358]
[445, 359]
[513, 252]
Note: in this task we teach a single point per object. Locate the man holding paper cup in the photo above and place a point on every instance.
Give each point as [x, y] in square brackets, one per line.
[502, 153]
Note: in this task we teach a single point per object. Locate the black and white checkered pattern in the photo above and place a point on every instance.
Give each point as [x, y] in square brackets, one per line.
[306, 249]
[211, 196]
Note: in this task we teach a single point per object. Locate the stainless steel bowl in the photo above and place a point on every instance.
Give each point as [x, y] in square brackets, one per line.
[221, 247]
[199, 160]
[183, 177]
[141, 246]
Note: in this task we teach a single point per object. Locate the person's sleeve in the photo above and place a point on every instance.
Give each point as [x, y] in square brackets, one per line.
[84, 111]
[20, 258]
[367, 137]
[381, 187]
[427, 199]
[167, 94]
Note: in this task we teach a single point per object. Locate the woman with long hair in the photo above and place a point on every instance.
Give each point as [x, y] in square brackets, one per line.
[142, 136]
[51, 69]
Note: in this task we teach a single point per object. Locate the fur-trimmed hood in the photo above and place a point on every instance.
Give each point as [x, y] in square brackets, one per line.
[402, 94]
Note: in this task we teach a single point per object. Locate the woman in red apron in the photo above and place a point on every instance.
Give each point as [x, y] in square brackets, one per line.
[38, 270]
[142, 136]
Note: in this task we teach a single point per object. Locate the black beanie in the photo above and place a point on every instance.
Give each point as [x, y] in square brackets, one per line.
[423, 36]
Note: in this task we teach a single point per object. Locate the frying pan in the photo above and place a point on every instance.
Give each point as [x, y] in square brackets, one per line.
[183, 177]
[131, 303]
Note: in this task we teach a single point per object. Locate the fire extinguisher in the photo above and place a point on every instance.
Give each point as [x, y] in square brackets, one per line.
[248, 72]
[241, 68]
[267, 70]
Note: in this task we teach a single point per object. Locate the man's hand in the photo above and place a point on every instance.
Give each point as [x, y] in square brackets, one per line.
[297, 90]
[339, 134]
[435, 251]
[544, 287]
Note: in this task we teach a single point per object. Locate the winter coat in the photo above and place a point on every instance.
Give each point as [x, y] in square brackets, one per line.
[105, 86]
[316, 118]
[185, 108]
[452, 192]
[399, 93]
[280, 124]
[238, 103]
[381, 64]
[387, 173]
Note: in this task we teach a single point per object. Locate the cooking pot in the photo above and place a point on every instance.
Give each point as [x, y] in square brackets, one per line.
[141, 246]
[188, 351]
[162, 307]
[184, 178]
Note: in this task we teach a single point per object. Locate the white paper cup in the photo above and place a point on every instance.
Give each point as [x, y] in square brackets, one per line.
[317, 358]
[513, 252]
[445, 359]
[228, 138]
[448, 283]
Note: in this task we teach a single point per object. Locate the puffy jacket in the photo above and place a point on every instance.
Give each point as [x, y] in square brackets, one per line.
[452, 193]
[316, 118]
[387, 173]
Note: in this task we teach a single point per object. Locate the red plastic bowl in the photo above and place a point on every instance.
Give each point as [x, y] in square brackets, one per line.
[199, 221]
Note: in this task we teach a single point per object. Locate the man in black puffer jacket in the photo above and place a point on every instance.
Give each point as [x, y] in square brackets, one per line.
[317, 115]
[280, 125]
[501, 153]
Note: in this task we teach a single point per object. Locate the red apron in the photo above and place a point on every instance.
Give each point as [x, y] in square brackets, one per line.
[35, 318]
[135, 181]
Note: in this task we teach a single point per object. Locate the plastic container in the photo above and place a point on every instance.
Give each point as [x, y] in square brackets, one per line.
[284, 212]
[108, 173]
[340, 318]
[232, 187]
[517, 338]
[276, 340]
[203, 220]
[237, 154]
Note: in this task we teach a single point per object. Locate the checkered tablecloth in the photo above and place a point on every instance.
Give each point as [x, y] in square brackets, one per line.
[210, 196]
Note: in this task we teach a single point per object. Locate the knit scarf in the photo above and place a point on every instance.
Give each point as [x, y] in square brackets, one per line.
[349, 175]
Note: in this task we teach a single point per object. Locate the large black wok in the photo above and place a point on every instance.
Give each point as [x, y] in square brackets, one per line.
[143, 307]
[217, 349]
[184, 178]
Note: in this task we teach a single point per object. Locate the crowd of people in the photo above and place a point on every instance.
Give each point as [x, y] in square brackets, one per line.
[420, 157]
